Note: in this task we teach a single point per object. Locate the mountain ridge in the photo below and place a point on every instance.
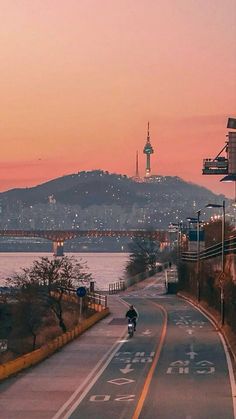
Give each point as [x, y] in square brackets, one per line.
[103, 200]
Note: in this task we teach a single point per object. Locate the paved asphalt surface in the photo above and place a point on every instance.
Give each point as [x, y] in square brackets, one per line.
[175, 367]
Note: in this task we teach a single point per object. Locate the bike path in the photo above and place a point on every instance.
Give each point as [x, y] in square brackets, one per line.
[190, 381]
[116, 392]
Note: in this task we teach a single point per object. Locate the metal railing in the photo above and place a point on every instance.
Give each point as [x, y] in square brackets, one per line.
[93, 297]
[97, 298]
[211, 251]
[115, 287]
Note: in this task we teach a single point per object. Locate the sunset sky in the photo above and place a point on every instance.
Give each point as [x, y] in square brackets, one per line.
[79, 79]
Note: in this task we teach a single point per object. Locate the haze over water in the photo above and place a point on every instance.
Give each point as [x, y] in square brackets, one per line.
[104, 267]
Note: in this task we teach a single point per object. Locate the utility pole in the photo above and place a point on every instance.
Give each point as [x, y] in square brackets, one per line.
[198, 256]
[222, 274]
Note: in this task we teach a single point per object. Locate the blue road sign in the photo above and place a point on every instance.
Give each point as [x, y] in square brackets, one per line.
[81, 291]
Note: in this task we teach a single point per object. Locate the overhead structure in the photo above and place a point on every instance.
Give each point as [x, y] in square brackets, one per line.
[148, 150]
[221, 165]
[232, 153]
[216, 166]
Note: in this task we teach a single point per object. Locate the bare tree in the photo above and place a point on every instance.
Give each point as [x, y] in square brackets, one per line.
[47, 281]
[143, 257]
[31, 310]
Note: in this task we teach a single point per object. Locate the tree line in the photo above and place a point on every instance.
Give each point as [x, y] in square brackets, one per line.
[34, 298]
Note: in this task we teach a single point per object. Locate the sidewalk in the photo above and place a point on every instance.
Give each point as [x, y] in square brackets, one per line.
[40, 391]
[145, 283]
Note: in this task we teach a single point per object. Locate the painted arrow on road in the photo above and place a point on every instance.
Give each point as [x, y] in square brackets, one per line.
[127, 369]
[147, 332]
[191, 354]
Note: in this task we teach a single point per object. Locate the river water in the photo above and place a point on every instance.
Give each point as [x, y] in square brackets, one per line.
[104, 267]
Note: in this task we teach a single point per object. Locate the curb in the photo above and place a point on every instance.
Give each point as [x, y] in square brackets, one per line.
[34, 357]
[214, 321]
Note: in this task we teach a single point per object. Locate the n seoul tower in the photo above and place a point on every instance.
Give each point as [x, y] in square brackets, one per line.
[148, 150]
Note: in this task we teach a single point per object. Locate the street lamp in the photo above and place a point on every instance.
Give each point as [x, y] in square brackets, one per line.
[198, 255]
[198, 222]
[222, 257]
[177, 228]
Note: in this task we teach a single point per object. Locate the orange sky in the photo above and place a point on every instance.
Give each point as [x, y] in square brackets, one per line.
[79, 79]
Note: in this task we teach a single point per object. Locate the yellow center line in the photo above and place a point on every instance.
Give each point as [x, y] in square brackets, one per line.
[153, 366]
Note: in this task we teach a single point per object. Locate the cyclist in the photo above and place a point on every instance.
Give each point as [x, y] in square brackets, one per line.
[132, 315]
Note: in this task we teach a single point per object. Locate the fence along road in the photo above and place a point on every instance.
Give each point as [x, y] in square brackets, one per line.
[211, 251]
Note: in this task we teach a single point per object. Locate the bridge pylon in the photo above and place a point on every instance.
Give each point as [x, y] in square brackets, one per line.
[58, 248]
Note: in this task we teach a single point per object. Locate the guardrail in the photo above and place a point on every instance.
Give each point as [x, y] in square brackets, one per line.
[115, 287]
[95, 298]
[211, 251]
[123, 284]
[69, 293]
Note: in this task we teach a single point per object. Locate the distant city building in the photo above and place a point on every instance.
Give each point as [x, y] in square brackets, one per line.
[52, 199]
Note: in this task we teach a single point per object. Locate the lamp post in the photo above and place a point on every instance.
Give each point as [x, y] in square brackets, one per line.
[222, 299]
[177, 228]
[198, 255]
[198, 222]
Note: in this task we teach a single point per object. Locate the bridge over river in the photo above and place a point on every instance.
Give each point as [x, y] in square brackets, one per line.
[58, 237]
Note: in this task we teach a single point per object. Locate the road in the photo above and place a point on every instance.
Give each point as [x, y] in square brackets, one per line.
[175, 366]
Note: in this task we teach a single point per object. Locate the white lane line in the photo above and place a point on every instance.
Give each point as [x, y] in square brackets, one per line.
[228, 359]
[90, 385]
[110, 353]
[231, 373]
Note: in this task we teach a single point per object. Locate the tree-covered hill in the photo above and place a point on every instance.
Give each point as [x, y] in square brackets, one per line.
[99, 199]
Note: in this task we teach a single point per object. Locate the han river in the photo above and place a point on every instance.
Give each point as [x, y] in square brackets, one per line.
[104, 267]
